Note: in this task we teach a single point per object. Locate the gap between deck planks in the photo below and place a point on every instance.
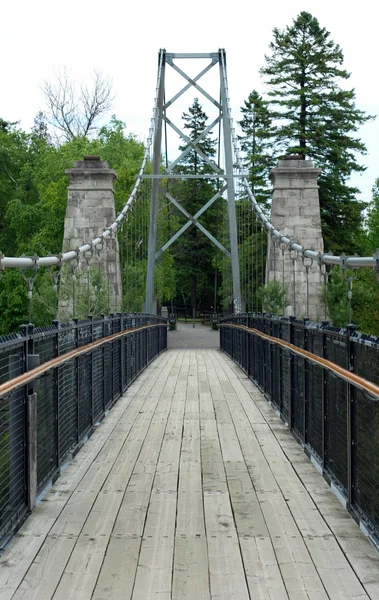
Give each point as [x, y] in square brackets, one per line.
[186, 491]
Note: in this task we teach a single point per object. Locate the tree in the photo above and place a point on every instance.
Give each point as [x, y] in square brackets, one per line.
[315, 117]
[194, 255]
[373, 220]
[74, 113]
[257, 145]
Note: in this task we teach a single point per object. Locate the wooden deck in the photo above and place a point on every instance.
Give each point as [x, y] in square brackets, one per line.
[191, 488]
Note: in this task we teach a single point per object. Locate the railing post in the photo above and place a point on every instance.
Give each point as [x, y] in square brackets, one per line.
[57, 325]
[324, 398]
[351, 419]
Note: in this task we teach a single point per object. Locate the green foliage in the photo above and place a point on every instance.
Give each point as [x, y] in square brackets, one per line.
[315, 117]
[273, 297]
[194, 253]
[364, 302]
[373, 220]
[257, 146]
[33, 198]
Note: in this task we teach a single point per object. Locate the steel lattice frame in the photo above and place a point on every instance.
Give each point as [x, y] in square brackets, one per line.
[166, 58]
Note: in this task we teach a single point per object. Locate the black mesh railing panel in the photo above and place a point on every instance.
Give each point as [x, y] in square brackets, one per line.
[84, 334]
[313, 407]
[47, 459]
[85, 394]
[128, 358]
[298, 382]
[12, 460]
[98, 383]
[335, 349]
[67, 408]
[71, 397]
[322, 404]
[336, 429]
[11, 361]
[285, 376]
[116, 369]
[66, 339]
[108, 376]
[314, 393]
[45, 348]
[366, 360]
[366, 466]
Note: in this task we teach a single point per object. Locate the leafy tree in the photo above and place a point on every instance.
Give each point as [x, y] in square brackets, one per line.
[316, 117]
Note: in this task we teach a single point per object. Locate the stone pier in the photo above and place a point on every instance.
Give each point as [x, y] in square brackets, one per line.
[90, 210]
[295, 212]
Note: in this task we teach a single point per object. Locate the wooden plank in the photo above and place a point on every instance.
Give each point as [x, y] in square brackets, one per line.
[59, 499]
[262, 571]
[190, 573]
[155, 563]
[45, 572]
[296, 507]
[226, 571]
[82, 572]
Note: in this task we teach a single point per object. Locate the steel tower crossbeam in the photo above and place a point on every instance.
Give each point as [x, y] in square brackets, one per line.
[226, 174]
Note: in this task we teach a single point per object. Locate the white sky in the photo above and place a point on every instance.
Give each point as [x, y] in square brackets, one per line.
[123, 38]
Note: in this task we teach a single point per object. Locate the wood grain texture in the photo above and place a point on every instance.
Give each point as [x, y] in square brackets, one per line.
[190, 488]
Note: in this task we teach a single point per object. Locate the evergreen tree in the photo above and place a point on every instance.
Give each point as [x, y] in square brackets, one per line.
[315, 117]
[373, 220]
[194, 254]
[257, 145]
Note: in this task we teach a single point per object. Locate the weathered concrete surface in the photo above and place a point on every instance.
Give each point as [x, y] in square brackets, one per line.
[295, 212]
[90, 210]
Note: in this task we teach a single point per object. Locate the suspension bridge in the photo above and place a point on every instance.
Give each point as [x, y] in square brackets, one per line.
[137, 462]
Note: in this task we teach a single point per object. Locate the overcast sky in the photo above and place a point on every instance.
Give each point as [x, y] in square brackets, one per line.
[122, 39]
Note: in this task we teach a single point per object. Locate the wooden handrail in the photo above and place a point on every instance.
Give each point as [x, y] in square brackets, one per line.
[357, 380]
[24, 378]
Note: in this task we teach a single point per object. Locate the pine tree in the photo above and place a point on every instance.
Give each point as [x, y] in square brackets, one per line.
[257, 145]
[315, 117]
[373, 220]
[194, 253]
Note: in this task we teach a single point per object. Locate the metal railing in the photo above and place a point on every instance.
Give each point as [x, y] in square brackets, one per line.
[324, 383]
[56, 384]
